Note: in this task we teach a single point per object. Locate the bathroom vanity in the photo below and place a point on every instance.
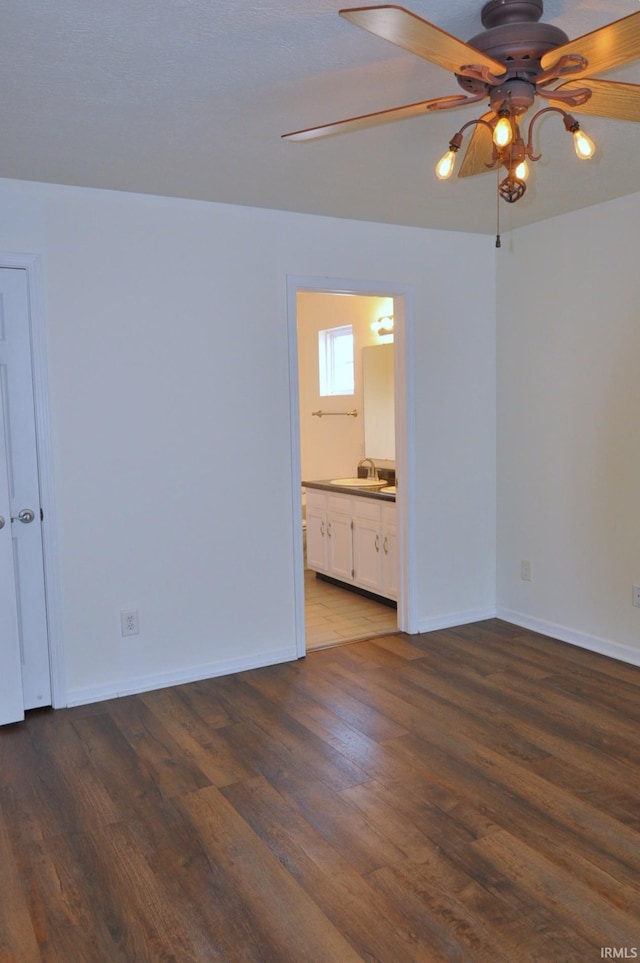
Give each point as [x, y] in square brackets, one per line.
[351, 536]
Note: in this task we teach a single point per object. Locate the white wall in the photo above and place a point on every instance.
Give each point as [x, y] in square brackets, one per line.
[568, 440]
[168, 366]
[331, 447]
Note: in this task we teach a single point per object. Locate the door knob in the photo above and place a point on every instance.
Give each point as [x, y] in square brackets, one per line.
[26, 516]
[1, 522]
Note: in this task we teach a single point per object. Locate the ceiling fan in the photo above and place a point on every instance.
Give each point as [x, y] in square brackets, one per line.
[515, 60]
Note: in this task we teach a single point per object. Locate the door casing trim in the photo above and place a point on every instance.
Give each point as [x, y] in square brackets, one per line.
[405, 435]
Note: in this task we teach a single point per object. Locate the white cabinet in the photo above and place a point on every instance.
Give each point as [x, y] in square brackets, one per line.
[316, 532]
[375, 546]
[389, 554]
[339, 544]
[366, 554]
[353, 539]
[329, 540]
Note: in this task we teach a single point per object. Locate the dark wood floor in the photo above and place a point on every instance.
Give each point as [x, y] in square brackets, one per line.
[465, 795]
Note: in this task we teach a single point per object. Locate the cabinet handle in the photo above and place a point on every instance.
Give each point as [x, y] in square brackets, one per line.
[377, 543]
[329, 529]
[385, 546]
[322, 529]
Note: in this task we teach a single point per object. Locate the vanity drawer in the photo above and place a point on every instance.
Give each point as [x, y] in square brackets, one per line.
[316, 499]
[368, 508]
[339, 503]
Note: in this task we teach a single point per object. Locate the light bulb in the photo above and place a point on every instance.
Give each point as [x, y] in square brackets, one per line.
[444, 167]
[502, 133]
[522, 171]
[584, 146]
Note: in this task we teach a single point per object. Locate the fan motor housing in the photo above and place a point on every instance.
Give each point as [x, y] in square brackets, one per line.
[517, 94]
[515, 38]
[497, 12]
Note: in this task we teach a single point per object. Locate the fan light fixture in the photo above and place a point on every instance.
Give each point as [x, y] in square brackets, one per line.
[514, 61]
[510, 150]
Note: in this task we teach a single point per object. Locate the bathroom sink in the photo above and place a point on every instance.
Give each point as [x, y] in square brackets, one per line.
[389, 490]
[358, 482]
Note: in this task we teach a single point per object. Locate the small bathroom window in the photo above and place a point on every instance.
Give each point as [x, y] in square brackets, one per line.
[335, 357]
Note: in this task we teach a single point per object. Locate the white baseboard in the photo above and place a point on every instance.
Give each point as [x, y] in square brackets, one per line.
[615, 650]
[114, 690]
[455, 618]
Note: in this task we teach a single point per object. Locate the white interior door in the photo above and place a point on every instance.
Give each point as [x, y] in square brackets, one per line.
[11, 696]
[22, 589]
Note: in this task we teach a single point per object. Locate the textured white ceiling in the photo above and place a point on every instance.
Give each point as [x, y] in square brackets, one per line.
[188, 98]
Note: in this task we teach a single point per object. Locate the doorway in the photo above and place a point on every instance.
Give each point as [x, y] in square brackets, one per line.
[29, 667]
[381, 618]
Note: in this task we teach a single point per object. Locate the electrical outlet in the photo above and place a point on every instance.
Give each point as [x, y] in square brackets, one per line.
[129, 622]
[636, 596]
[525, 570]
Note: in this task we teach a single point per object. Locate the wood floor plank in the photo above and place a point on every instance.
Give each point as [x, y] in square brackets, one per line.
[197, 888]
[458, 932]
[32, 788]
[415, 829]
[591, 914]
[345, 828]
[365, 719]
[70, 909]
[461, 886]
[274, 731]
[533, 808]
[141, 918]
[606, 730]
[503, 701]
[309, 710]
[198, 740]
[400, 645]
[267, 895]
[466, 795]
[377, 930]
[18, 939]
[450, 711]
[171, 770]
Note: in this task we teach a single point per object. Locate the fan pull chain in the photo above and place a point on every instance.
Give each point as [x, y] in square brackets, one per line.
[498, 241]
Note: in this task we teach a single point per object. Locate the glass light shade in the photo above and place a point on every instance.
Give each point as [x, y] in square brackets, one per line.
[503, 132]
[522, 171]
[584, 146]
[444, 167]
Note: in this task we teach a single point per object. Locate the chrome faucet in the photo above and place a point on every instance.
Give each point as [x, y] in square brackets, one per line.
[372, 471]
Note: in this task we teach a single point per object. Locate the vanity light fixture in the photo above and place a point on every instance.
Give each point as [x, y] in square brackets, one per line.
[383, 326]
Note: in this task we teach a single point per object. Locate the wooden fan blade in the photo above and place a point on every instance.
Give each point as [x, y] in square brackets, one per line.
[379, 117]
[610, 46]
[407, 30]
[608, 99]
[479, 153]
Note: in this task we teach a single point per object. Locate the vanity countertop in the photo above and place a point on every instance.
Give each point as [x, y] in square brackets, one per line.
[346, 490]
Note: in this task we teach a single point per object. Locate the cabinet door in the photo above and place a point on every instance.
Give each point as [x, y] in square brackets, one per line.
[339, 546]
[367, 545]
[316, 539]
[389, 562]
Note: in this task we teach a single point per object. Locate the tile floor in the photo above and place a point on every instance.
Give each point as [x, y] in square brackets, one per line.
[334, 615]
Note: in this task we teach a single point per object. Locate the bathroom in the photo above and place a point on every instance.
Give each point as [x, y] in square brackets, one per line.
[346, 415]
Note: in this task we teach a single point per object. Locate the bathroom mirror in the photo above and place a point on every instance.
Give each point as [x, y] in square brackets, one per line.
[379, 402]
